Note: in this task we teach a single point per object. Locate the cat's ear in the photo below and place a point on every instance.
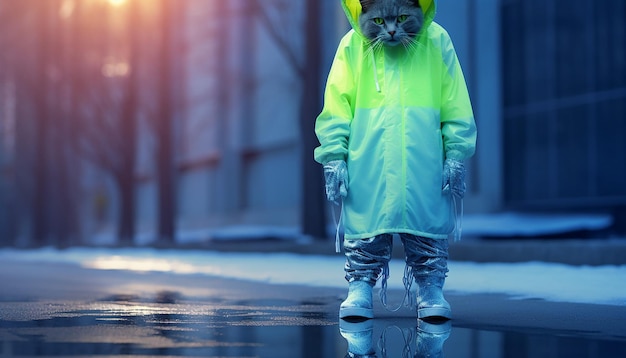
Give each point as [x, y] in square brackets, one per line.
[366, 4]
[416, 3]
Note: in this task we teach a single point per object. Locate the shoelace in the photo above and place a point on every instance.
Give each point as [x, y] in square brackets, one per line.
[409, 298]
[338, 224]
[458, 218]
[408, 338]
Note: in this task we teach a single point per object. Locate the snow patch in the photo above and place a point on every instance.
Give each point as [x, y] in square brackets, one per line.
[549, 281]
[519, 224]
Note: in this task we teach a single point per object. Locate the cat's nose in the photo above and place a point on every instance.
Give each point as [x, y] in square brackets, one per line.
[392, 33]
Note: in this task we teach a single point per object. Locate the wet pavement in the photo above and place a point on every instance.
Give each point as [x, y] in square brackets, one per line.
[63, 310]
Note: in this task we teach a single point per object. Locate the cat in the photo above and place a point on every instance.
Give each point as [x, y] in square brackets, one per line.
[390, 22]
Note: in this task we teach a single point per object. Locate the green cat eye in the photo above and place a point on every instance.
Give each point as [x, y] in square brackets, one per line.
[402, 18]
[378, 21]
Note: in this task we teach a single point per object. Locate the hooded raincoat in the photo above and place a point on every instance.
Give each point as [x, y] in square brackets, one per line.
[394, 115]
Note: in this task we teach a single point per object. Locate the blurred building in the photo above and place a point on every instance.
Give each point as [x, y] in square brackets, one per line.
[564, 103]
[548, 84]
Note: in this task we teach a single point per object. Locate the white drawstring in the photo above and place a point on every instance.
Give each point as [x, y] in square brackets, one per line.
[458, 219]
[375, 73]
[338, 226]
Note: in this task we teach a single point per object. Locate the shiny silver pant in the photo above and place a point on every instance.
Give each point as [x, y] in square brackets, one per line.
[367, 259]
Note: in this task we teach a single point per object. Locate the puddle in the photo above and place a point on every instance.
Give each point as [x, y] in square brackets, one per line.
[119, 327]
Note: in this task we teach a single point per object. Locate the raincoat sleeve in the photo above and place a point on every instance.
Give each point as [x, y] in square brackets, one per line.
[332, 126]
[457, 119]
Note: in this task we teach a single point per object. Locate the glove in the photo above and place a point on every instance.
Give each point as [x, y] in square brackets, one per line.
[454, 178]
[336, 175]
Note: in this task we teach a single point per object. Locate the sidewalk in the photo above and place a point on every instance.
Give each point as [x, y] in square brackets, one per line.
[567, 251]
[506, 237]
[64, 309]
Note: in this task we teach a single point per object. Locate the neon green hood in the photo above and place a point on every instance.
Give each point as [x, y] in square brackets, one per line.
[352, 9]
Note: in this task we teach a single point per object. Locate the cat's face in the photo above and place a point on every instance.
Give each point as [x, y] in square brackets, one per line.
[391, 22]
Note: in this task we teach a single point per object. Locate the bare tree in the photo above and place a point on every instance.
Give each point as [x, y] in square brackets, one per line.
[308, 69]
[108, 110]
[63, 171]
[78, 87]
[33, 76]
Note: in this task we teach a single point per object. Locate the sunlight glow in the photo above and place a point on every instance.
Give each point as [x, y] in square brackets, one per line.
[132, 309]
[138, 264]
[117, 2]
[67, 9]
[113, 68]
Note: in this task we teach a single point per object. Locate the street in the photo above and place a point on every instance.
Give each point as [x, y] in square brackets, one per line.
[56, 309]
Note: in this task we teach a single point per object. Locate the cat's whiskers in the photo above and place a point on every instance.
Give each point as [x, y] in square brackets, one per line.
[379, 44]
[409, 43]
[369, 51]
[413, 42]
[374, 46]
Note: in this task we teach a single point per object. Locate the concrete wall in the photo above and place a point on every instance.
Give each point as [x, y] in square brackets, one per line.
[474, 28]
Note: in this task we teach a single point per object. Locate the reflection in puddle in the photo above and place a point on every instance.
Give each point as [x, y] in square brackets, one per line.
[372, 339]
[118, 328]
[180, 328]
[411, 338]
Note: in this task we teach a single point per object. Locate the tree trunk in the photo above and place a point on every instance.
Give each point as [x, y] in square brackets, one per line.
[126, 176]
[73, 51]
[39, 234]
[62, 163]
[312, 214]
[126, 223]
[165, 130]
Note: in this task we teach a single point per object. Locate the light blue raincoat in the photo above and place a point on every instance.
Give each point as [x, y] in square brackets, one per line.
[394, 116]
